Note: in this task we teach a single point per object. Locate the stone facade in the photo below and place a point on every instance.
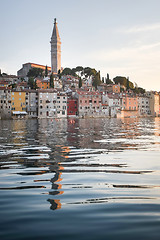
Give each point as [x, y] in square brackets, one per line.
[47, 103]
[5, 103]
[32, 103]
[143, 106]
[55, 49]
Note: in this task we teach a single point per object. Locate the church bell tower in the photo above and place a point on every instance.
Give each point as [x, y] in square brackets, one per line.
[55, 49]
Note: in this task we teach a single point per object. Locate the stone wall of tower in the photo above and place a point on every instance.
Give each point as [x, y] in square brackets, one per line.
[55, 50]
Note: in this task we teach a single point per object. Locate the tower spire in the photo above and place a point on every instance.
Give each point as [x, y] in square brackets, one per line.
[55, 49]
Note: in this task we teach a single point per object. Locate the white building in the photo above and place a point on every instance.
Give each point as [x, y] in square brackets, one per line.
[61, 105]
[47, 103]
[113, 102]
[32, 103]
[154, 103]
[143, 106]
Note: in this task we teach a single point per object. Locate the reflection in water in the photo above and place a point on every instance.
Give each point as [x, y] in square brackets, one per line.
[59, 165]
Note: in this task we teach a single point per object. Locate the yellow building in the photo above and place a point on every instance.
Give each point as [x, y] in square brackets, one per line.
[18, 104]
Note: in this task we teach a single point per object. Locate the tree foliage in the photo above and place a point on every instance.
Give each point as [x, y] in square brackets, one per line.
[51, 81]
[32, 84]
[139, 90]
[35, 72]
[46, 71]
[80, 82]
[96, 80]
[123, 81]
[108, 81]
[68, 71]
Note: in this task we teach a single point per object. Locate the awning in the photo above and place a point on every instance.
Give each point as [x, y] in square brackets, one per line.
[19, 112]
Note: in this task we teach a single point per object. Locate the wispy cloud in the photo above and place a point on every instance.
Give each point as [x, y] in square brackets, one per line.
[141, 28]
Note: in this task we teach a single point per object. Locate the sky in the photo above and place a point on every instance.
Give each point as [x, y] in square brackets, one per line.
[118, 37]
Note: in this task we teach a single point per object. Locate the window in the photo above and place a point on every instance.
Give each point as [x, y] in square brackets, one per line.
[63, 112]
[12, 93]
[12, 98]
[20, 93]
[19, 99]
[41, 106]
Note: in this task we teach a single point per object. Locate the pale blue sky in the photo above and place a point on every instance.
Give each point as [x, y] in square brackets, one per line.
[119, 37]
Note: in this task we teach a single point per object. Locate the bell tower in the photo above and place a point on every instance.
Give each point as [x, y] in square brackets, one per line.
[55, 49]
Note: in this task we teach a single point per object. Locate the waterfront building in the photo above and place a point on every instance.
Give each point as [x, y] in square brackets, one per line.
[61, 105]
[111, 104]
[154, 103]
[89, 103]
[143, 106]
[18, 104]
[5, 103]
[55, 49]
[72, 107]
[47, 103]
[129, 105]
[31, 100]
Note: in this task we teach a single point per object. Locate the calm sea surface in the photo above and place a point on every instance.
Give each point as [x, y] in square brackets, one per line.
[88, 179]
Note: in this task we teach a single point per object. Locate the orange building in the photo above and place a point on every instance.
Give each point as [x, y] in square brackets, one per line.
[43, 83]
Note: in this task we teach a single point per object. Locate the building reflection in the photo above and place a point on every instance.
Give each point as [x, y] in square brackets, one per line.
[57, 179]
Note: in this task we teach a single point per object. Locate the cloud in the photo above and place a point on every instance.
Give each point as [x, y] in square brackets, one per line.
[141, 28]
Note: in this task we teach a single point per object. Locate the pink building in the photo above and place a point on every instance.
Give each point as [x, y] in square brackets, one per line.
[129, 105]
[89, 103]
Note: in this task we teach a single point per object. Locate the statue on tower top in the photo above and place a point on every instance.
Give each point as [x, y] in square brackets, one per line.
[55, 20]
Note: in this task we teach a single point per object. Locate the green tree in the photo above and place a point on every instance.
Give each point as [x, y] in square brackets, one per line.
[108, 81]
[139, 90]
[96, 80]
[80, 82]
[35, 72]
[31, 82]
[67, 71]
[127, 86]
[51, 81]
[46, 71]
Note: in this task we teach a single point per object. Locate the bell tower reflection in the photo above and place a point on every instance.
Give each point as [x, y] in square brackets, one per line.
[56, 180]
